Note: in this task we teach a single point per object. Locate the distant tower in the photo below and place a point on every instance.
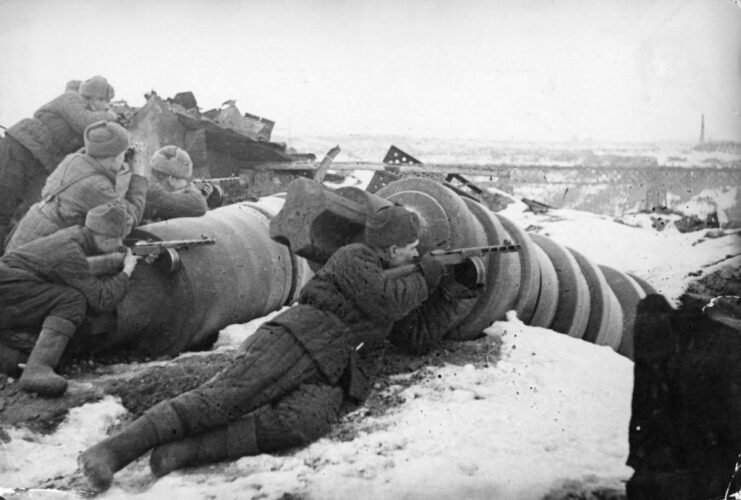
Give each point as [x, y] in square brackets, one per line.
[702, 129]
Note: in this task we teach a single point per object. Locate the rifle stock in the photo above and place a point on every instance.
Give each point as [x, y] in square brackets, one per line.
[106, 264]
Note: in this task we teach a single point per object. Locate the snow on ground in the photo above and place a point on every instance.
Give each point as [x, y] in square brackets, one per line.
[30, 459]
[552, 409]
[663, 258]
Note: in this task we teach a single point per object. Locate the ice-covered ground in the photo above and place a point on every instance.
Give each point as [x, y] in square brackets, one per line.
[553, 409]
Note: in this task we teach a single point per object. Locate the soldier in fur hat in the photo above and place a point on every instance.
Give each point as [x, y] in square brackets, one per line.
[170, 193]
[296, 373]
[33, 147]
[82, 181]
[47, 284]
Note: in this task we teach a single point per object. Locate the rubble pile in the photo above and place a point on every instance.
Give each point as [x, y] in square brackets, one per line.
[226, 146]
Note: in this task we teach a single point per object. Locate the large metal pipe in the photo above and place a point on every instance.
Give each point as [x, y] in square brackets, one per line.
[244, 275]
[546, 283]
[257, 265]
[503, 275]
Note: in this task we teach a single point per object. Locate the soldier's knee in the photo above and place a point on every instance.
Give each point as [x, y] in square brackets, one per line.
[311, 410]
[71, 305]
[303, 416]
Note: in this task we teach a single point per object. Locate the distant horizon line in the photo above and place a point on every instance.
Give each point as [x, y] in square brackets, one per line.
[499, 140]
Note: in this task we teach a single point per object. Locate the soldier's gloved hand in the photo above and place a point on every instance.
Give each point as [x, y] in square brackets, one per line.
[111, 115]
[206, 189]
[130, 261]
[432, 270]
[138, 165]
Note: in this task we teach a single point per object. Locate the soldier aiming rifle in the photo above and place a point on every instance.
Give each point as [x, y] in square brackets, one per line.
[301, 370]
[466, 263]
[165, 253]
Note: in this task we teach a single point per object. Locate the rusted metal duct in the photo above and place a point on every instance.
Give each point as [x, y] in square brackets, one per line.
[244, 275]
[546, 283]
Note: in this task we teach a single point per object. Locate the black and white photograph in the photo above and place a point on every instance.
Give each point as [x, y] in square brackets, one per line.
[370, 249]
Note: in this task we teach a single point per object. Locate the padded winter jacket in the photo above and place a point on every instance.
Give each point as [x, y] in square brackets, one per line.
[350, 304]
[78, 184]
[163, 204]
[61, 258]
[56, 129]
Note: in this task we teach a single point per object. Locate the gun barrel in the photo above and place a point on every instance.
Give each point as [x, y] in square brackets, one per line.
[474, 251]
[216, 179]
[173, 243]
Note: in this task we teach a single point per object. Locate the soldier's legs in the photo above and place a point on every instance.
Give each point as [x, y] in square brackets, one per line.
[26, 304]
[32, 305]
[273, 364]
[300, 418]
[303, 416]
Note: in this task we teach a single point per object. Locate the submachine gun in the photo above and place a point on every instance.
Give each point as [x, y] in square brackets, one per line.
[466, 263]
[164, 254]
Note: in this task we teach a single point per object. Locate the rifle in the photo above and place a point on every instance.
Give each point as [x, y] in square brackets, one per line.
[469, 267]
[155, 248]
[203, 180]
[165, 252]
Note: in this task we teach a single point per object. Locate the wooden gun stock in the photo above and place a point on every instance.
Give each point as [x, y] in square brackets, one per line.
[107, 264]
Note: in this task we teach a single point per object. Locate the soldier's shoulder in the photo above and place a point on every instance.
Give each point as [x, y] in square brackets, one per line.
[154, 187]
[70, 99]
[357, 248]
[58, 102]
[355, 254]
[71, 236]
[63, 241]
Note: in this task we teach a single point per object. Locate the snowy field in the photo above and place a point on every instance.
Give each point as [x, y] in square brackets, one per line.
[552, 412]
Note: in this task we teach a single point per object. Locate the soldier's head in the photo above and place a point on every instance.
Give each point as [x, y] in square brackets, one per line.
[172, 167]
[109, 224]
[394, 232]
[97, 92]
[107, 141]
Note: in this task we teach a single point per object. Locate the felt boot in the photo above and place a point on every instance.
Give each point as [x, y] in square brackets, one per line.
[99, 463]
[235, 440]
[39, 375]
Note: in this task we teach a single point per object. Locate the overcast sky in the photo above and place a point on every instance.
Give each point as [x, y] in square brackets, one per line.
[622, 70]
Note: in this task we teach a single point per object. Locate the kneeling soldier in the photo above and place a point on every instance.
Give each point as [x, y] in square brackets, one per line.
[47, 283]
[296, 373]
